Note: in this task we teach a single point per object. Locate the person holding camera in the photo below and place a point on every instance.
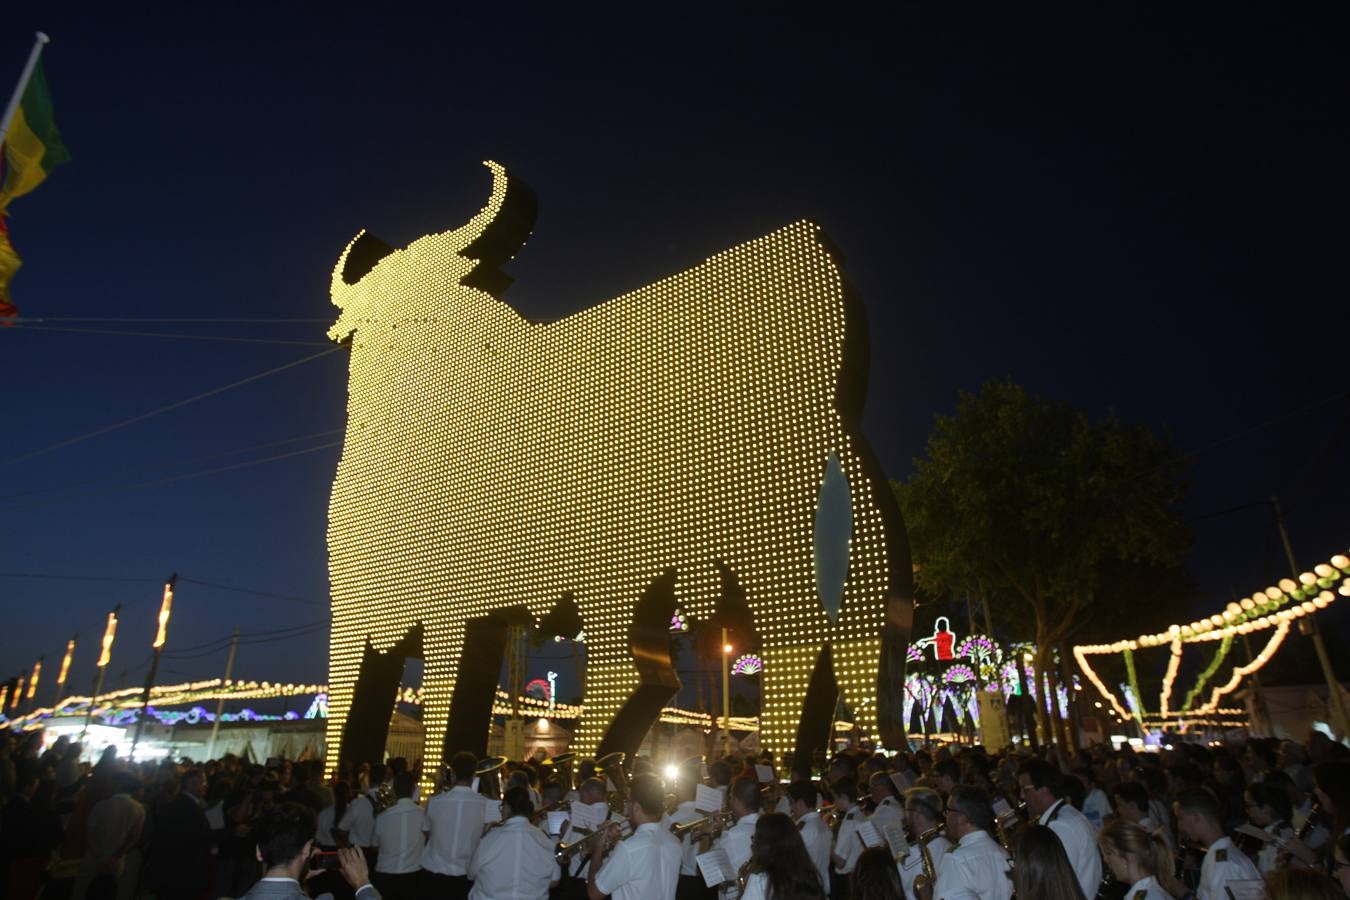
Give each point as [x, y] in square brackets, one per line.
[286, 849]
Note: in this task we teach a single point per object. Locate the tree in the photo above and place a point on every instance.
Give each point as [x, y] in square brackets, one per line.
[1028, 501]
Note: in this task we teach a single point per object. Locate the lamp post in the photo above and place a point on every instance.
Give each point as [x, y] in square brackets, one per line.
[726, 692]
[65, 670]
[165, 607]
[33, 682]
[109, 632]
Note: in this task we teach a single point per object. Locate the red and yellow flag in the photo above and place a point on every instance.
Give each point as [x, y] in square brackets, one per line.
[32, 149]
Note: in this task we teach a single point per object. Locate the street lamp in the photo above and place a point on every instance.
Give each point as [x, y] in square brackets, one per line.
[104, 656]
[726, 691]
[165, 607]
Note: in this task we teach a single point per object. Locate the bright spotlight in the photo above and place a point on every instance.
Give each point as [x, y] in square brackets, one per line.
[671, 772]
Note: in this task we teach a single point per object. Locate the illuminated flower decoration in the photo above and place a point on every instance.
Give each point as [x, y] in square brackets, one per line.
[913, 654]
[538, 688]
[958, 674]
[748, 665]
[677, 622]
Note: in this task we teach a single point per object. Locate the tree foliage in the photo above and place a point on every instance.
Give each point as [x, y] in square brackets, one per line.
[1033, 504]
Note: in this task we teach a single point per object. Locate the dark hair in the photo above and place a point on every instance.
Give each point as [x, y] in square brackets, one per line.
[1043, 871]
[1043, 775]
[404, 782]
[552, 791]
[777, 850]
[875, 877]
[805, 791]
[1275, 797]
[972, 803]
[517, 800]
[342, 795]
[846, 786]
[746, 790]
[647, 792]
[719, 772]
[948, 768]
[377, 773]
[1302, 884]
[1202, 803]
[283, 831]
[463, 765]
[397, 765]
[883, 778]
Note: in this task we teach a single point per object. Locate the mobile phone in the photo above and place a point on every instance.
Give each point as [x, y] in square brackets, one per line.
[324, 859]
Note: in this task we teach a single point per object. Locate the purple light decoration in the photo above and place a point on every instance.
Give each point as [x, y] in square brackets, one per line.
[958, 674]
[748, 665]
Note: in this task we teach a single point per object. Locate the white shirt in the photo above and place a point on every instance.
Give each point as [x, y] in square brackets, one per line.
[1147, 889]
[398, 834]
[735, 842]
[888, 812]
[846, 843]
[1080, 843]
[817, 838]
[323, 835]
[684, 814]
[1223, 863]
[976, 865]
[911, 866]
[643, 866]
[1268, 855]
[359, 822]
[580, 864]
[454, 824]
[784, 806]
[513, 862]
[1096, 807]
[756, 887]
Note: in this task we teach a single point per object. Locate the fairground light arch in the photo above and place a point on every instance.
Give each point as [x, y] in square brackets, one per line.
[693, 442]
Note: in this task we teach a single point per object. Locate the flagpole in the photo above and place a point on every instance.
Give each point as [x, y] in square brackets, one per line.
[13, 107]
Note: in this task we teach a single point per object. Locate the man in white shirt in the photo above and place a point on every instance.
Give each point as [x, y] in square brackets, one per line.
[514, 861]
[594, 795]
[691, 885]
[815, 834]
[454, 823]
[977, 865]
[1095, 804]
[399, 837]
[888, 810]
[923, 814]
[735, 841]
[847, 847]
[645, 865]
[1198, 819]
[1043, 790]
[357, 826]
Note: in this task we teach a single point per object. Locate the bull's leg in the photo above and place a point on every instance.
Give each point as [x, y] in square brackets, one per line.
[343, 668]
[443, 648]
[610, 680]
[856, 664]
[789, 662]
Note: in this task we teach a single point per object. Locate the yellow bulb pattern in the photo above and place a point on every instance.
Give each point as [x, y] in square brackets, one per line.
[493, 461]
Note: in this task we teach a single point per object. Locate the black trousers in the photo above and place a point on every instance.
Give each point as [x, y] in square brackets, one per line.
[692, 887]
[403, 886]
[436, 886]
[569, 888]
[839, 885]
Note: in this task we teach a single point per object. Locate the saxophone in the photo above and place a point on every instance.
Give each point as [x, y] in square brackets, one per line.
[925, 857]
[743, 877]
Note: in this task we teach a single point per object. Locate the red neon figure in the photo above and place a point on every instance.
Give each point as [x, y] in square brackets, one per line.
[944, 639]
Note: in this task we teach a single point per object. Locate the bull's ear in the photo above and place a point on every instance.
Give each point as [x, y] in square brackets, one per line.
[363, 256]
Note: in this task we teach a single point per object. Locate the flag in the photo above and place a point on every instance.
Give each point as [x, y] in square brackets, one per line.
[9, 264]
[33, 146]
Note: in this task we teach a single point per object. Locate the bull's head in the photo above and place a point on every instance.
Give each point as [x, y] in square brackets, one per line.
[369, 270]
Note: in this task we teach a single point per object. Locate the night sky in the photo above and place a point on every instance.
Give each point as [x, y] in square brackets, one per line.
[1125, 210]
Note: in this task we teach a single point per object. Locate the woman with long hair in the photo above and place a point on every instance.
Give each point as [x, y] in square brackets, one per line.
[779, 866]
[1042, 870]
[1135, 857]
[875, 877]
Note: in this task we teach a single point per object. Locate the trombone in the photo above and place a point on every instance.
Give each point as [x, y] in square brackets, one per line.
[719, 820]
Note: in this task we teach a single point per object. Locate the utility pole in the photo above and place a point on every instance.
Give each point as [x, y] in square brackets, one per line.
[105, 654]
[220, 703]
[65, 671]
[165, 608]
[1307, 625]
[726, 692]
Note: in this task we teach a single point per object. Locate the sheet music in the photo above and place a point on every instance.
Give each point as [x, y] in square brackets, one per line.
[1001, 808]
[764, 774]
[868, 834]
[894, 833]
[556, 819]
[707, 799]
[583, 816]
[715, 867]
[901, 781]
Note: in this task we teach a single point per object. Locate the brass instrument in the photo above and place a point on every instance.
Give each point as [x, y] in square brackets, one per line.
[925, 857]
[382, 797]
[680, 829]
[542, 812]
[565, 852]
[612, 765]
[489, 772]
[743, 876]
[1014, 817]
[562, 765]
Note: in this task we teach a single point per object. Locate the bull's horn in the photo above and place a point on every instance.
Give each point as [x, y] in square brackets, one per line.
[480, 223]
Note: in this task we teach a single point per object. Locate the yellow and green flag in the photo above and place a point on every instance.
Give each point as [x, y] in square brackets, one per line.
[32, 145]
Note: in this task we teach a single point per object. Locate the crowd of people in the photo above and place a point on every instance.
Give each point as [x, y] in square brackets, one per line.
[1229, 822]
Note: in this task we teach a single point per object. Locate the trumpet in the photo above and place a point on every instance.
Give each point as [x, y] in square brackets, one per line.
[718, 821]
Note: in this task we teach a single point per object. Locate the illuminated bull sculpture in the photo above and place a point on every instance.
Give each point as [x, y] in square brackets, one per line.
[694, 441]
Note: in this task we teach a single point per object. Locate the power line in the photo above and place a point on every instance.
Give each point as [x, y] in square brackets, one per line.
[174, 321]
[117, 332]
[172, 406]
[118, 478]
[256, 593]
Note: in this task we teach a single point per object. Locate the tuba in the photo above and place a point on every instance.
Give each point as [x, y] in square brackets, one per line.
[489, 774]
[382, 797]
[612, 765]
[561, 765]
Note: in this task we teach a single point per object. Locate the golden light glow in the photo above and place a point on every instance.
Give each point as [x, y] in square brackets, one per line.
[165, 607]
[65, 664]
[1241, 618]
[109, 632]
[33, 679]
[726, 648]
[684, 423]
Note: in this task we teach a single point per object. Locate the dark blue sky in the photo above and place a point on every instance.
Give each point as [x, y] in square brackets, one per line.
[1123, 210]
